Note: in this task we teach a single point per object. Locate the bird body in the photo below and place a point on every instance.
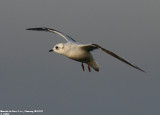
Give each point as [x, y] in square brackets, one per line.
[80, 52]
[75, 52]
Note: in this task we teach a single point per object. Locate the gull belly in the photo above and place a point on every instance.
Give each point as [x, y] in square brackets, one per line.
[79, 54]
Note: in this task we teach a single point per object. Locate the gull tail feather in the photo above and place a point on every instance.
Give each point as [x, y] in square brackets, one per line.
[94, 65]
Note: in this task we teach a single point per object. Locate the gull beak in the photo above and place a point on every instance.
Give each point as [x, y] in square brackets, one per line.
[51, 50]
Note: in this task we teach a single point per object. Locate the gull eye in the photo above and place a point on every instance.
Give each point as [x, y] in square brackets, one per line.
[56, 47]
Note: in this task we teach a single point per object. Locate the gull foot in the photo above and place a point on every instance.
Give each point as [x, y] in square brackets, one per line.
[83, 67]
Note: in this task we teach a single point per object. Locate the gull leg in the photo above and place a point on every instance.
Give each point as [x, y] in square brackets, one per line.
[82, 67]
[89, 69]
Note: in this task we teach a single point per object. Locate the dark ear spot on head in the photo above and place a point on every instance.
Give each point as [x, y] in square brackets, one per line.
[63, 47]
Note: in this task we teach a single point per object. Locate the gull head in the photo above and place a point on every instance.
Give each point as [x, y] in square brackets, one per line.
[58, 48]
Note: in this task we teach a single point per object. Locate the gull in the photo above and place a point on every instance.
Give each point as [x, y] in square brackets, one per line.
[80, 52]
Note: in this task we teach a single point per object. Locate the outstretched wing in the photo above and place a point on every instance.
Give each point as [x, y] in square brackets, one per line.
[66, 37]
[91, 47]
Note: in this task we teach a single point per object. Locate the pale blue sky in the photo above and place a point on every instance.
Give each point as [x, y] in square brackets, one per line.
[33, 78]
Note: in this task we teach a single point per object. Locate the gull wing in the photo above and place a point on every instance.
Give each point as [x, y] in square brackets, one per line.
[91, 47]
[66, 37]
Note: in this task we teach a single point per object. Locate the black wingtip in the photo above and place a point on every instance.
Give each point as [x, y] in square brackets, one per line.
[41, 29]
[143, 71]
[31, 29]
[136, 67]
[38, 29]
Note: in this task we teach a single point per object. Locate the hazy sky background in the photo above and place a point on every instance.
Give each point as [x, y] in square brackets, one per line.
[32, 78]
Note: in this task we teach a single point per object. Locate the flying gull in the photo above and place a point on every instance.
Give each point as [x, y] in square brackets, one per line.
[80, 52]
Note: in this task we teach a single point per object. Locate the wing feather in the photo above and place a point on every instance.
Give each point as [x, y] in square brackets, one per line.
[66, 37]
[91, 47]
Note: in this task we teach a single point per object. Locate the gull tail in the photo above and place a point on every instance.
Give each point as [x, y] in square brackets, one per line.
[94, 65]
